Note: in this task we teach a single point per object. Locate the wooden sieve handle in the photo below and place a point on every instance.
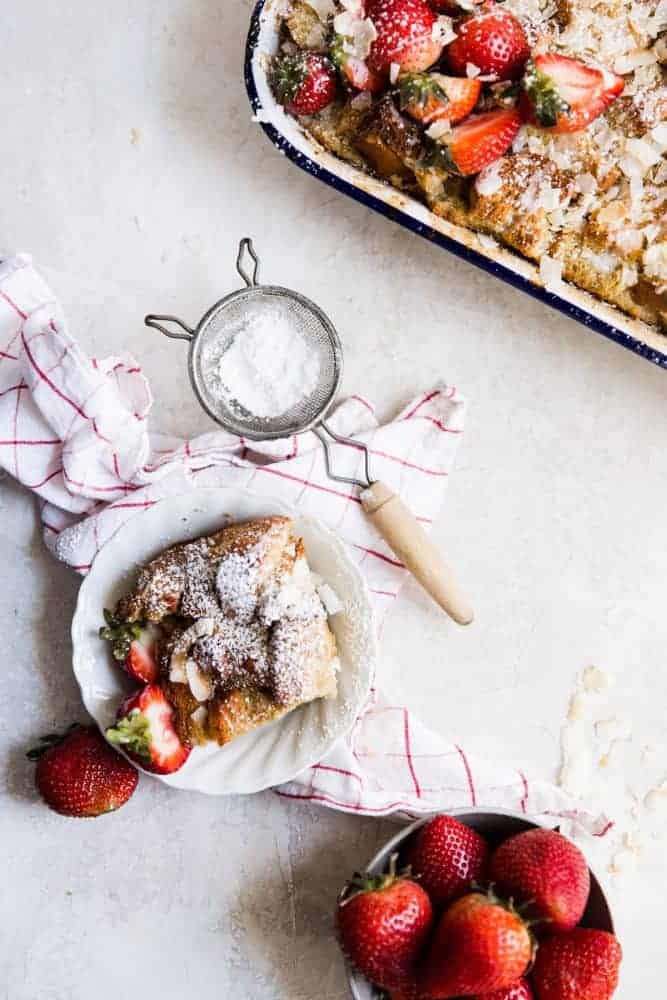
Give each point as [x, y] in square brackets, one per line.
[406, 537]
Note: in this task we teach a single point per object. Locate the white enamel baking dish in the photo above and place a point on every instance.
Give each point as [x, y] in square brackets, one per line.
[286, 135]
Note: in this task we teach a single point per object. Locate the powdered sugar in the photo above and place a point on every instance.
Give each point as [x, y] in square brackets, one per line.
[267, 367]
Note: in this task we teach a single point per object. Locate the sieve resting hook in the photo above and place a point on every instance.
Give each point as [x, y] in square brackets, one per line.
[246, 248]
[322, 430]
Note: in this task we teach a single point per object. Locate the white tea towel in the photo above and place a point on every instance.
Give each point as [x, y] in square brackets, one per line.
[75, 431]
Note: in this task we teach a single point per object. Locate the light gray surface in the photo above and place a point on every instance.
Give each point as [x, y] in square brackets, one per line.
[555, 513]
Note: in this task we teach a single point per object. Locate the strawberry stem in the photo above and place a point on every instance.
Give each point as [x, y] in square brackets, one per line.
[120, 634]
[50, 741]
[132, 733]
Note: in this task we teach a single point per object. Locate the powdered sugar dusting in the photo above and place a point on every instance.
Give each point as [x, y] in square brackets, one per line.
[267, 365]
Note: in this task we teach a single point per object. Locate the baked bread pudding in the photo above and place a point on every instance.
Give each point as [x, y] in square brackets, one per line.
[541, 125]
[230, 630]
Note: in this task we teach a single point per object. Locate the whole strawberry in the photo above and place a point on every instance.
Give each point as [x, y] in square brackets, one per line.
[493, 41]
[304, 83]
[479, 946]
[405, 36]
[545, 870]
[383, 923]
[520, 990]
[447, 856]
[580, 965]
[78, 774]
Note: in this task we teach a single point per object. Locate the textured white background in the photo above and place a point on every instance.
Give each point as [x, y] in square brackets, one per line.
[130, 168]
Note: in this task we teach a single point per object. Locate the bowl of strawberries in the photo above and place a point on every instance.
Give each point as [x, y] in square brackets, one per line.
[488, 905]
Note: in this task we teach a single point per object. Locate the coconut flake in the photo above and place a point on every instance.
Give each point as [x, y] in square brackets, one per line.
[489, 180]
[443, 30]
[551, 272]
[323, 8]
[655, 261]
[595, 680]
[394, 72]
[200, 685]
[438, 129]
[358, 34]
[472, 70]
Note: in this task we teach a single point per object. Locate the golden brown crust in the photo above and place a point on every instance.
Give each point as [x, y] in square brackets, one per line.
[162, 586]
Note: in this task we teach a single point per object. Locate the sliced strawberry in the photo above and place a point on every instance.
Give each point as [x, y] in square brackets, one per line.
[479, 141]
[430, 97]
[304, 83]
[355, 71]
[145, 731]
[134, 645]
[405, 36]
[564, 94]
[493, 41]
[141, 662]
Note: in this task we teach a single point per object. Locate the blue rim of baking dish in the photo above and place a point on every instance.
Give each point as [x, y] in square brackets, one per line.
[282, 143]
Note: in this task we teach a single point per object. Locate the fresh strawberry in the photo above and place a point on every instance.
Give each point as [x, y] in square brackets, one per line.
[304, 83]
[543, 868]
[410, 992]
[580, 965]
[565, 95]
[141, 663]
[405, 35]
[479, 946]
[78, 774]
[134, 645]
[447, 856]
[354, 70]
[493, 41]
[520, 990]
[382, 924]
[477, 142]
[145, 731]
[360, 77]
[430, 97]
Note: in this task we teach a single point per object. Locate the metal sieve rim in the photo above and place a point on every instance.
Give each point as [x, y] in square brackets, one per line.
[198, 382]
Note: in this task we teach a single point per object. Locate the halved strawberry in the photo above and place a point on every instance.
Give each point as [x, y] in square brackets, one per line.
[430, 97]
[564, 94]
[134, 645]
[479, 141]
[493, 41]
[405, 35]
[354, 70]
[304, 83]
[145, 731]
[141, 662]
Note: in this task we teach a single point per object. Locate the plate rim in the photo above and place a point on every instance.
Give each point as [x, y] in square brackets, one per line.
[372, 635]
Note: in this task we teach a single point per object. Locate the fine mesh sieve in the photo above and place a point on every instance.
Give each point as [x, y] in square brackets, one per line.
[231, 318]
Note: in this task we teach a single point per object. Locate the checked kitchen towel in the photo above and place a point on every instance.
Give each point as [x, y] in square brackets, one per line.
[74, 430]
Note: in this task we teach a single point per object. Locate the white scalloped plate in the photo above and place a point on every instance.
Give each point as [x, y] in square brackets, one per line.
[279, 751]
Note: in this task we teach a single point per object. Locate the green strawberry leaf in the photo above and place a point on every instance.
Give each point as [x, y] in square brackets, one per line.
[548, 105]
[132, 733]
[419, 89]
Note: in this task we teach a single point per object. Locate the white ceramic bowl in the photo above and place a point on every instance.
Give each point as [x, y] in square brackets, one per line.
[277, 752]
[494, 827]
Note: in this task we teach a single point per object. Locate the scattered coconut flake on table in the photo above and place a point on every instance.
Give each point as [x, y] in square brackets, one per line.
[609, 769]
[266, 368]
